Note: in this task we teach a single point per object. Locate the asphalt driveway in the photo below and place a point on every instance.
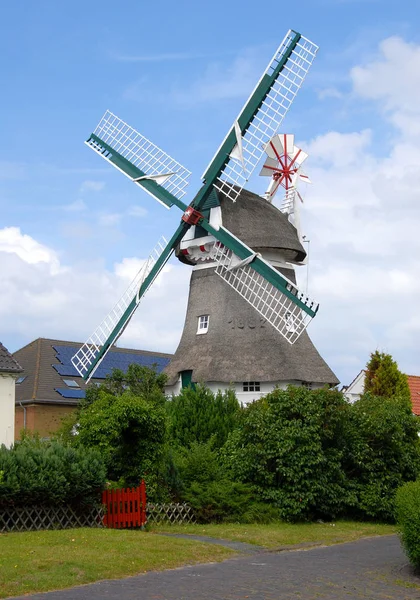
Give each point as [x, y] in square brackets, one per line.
[373, 568]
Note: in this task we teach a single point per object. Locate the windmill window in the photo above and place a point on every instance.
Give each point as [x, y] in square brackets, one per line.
[251, 386]
[71, 383]
[203, 324]
[21, 379]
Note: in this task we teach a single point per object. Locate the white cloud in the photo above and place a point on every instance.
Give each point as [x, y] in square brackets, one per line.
[109, 219]
[362, 215]
[137, 211]
[41, 297]
[92, 186]
[76, 206]
[340, 150]
[393, 80]
[12, 241]
[329, 92]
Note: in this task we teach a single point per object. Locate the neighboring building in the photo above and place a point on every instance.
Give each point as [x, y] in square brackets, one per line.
[10, 370]
[414, 385]
[225, 342]
[50, 387]
[353, 391]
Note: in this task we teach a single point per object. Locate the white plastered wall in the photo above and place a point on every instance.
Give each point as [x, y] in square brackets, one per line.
[7, 409]
[243, 397]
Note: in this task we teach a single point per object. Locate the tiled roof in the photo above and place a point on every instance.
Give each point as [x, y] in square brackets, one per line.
[414, 385]
[7, 363]
[47, 363]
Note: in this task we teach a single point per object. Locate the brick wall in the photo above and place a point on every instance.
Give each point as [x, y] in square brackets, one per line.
[43, 419]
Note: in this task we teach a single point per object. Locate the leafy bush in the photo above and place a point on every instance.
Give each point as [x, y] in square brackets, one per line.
[50, 473]
[407, 510]
[290, 446]
[383, 452]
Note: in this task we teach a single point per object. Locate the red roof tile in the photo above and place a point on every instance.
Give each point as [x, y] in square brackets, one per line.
[414, 385]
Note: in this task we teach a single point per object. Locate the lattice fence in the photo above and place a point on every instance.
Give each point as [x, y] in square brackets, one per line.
[36, 518]
[170, 513]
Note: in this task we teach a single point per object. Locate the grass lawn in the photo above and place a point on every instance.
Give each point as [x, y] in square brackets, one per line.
[282, 534]
[49, 560]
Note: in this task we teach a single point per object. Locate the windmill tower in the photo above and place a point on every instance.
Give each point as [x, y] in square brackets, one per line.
[225, 343]
[249, 243]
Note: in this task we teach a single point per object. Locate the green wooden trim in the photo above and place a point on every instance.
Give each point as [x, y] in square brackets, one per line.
[132, 171]
[259, 265]
[186, 379]
[122, 323]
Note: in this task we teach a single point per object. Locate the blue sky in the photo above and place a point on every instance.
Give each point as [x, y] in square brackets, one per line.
[179, 73]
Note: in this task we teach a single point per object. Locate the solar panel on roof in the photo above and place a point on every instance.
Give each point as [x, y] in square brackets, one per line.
[68, 393]
[113, 360]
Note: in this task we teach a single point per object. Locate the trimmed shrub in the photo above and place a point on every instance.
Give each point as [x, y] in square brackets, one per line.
[198, 415]
[407, 511]
[217, 501]
[50, 473]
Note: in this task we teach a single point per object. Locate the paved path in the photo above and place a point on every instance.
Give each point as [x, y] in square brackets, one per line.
[370, 569]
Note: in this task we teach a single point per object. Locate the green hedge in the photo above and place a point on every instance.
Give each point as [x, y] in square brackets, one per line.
[50, 473]
[407, 510]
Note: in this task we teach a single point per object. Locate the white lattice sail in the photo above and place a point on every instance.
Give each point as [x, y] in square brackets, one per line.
[90, 350]
[269, 117]
[279, 310]
[140, 152]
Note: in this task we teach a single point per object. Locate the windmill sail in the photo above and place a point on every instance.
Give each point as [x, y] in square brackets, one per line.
[88, 357]
[138, 158]
[282, 312]
[284, 306]
[262, 115]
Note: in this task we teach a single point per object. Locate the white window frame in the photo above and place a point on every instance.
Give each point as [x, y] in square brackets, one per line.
[203, 324]
[251, 386]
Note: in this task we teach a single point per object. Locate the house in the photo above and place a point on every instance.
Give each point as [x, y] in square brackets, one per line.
[414, 385]
[10, 370]
[356, 388]
[50, 388]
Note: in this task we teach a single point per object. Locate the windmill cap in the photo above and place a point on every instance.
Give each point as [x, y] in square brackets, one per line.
[261, 225]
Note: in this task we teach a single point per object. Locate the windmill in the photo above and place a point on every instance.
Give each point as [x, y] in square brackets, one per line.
[201, 233]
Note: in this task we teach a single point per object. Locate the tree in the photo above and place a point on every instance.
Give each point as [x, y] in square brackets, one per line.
[384, 379]
[139, 380]
[197, 415]
[129, 431]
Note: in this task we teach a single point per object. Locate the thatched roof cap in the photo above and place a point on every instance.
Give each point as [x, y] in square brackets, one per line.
[260, 225]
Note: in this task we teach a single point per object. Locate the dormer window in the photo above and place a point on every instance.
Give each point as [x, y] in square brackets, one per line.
[203, 324]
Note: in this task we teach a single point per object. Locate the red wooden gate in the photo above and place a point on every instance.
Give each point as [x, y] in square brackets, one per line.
[125, 507]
